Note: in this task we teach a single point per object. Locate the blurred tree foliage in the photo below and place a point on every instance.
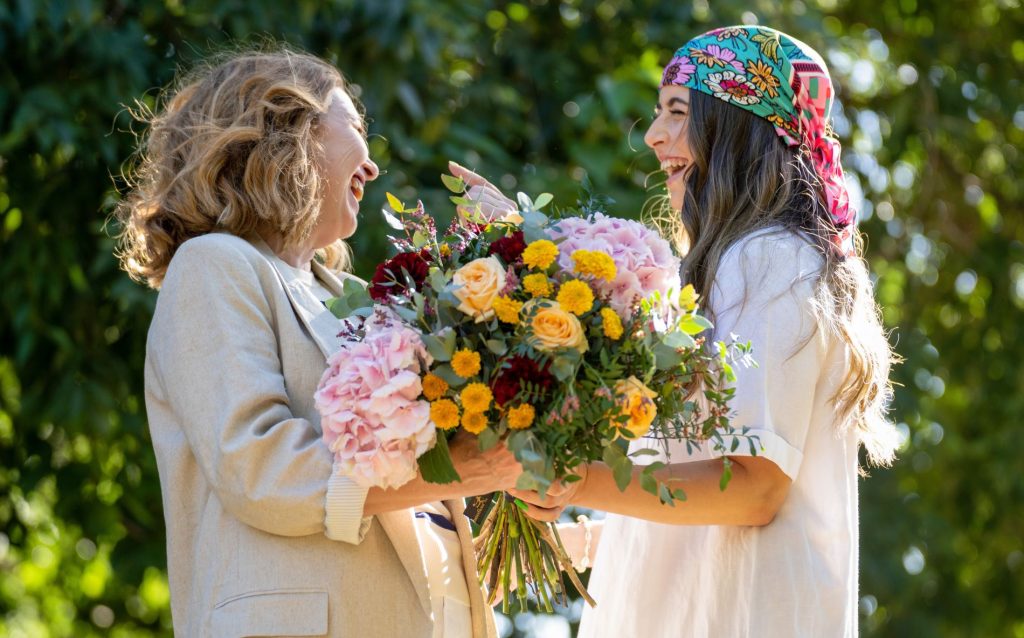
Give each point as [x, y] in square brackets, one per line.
[536, 94]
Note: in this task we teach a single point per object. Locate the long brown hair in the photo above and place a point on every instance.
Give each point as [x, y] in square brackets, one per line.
[232, 150]
[742, 179]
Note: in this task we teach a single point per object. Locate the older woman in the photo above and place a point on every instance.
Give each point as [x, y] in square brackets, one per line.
[250, 176]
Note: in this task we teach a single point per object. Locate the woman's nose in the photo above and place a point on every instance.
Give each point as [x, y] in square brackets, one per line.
[371, 170]
[654, 136]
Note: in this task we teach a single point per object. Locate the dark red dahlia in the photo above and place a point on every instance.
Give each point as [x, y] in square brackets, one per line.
[389, 279]
[508, 248]
[514, 372]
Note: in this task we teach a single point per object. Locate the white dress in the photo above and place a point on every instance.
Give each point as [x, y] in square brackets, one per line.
[796, 577]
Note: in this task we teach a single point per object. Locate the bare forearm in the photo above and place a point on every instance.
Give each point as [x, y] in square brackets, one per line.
[753, 496]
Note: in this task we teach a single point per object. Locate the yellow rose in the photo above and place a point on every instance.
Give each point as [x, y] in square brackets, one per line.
[553, 327]
[478, 284]
[636, 401]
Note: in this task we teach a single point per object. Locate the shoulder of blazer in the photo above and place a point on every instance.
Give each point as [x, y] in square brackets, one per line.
[219, 257]
[216, 249]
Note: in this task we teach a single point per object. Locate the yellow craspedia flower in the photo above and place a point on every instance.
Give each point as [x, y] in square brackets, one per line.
[576, 297]
[507, 309]
[444, 414]
[688, 298]
[434, 387]
[540, 254]
[476, 397]
[521, 417]
[474, 422]
[611, 324]
[466, 363]
[594, 263]
[635, 401]
[537, 285]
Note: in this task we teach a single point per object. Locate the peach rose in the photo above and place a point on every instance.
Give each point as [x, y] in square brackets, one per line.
[553, 327]
[636, 401]
[479, 284]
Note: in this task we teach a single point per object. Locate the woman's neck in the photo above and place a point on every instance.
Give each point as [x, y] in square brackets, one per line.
[295, 256]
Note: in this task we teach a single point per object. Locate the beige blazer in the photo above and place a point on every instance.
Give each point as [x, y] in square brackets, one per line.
[233, 358]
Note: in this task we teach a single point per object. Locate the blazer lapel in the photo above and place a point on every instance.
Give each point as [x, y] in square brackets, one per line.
[483, 617]
[324, 327]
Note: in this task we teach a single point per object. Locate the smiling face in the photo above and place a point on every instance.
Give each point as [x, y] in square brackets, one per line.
[667, 137]
[346, 168]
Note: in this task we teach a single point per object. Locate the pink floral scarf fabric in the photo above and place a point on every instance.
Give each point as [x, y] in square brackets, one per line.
[782, 80]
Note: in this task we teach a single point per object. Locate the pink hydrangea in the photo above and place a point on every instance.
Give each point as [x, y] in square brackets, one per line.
[370, 413]
[643, 259]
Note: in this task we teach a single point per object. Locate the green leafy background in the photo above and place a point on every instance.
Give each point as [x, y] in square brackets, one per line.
[535, 94]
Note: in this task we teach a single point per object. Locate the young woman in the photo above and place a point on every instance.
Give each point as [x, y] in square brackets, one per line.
[762, 214]
[249, 178]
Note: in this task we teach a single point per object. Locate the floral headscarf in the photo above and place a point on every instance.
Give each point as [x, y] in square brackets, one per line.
[782, 80]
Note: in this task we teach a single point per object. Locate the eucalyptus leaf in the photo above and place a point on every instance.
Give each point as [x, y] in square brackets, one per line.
[665, 495]
[452, 183]
[726, 474]
[487, 439]
[445, 372]
[678, 340]
[623, 473]
[534, 218]
[354, 296]
[542, 200]
[528, 481]
[666, 357]
[525, 203]
[391, 220]
[420, 239]
[694, 325]
[497, 346]
[395, 203]
[407, 314]
[435, 346]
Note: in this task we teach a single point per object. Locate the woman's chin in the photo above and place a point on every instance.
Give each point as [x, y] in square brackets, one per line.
[676, 191]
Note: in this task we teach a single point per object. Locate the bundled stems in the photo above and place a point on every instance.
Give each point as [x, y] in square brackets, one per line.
[517, 552]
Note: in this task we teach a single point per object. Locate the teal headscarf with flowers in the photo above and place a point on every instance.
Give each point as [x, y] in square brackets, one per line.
[778, 78]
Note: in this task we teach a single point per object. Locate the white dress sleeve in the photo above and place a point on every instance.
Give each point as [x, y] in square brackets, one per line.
[763, 293]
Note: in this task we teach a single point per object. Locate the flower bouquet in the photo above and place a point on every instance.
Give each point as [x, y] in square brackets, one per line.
[562, 336]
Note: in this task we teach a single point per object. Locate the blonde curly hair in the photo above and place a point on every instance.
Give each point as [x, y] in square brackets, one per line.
[232, 150]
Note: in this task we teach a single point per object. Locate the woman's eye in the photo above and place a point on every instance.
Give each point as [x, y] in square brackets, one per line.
[682, 113]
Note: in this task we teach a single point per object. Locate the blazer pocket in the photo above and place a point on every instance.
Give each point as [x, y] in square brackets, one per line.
[286, 612]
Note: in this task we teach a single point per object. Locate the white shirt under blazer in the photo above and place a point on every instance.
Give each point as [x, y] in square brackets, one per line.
[262, 538]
